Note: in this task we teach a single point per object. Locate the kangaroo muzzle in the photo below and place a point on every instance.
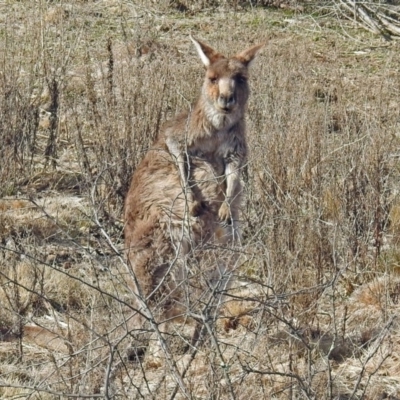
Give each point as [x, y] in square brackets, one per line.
[226, 99]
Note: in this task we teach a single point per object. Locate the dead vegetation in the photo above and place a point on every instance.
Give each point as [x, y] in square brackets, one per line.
[376, 16]
[84, 87]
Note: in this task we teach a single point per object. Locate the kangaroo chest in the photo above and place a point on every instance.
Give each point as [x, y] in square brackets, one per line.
[218, 146]
[208, 158]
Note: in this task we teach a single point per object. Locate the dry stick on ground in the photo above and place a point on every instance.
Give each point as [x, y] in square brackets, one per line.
[387, 23]
[373, 20]
[390, 24]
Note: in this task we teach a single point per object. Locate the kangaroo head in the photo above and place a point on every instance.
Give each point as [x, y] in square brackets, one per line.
[225, 89]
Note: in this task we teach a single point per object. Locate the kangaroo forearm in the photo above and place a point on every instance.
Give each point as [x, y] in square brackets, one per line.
[178, 155]
[232, 179]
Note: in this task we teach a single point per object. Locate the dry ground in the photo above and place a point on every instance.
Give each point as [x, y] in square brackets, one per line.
[84, 87]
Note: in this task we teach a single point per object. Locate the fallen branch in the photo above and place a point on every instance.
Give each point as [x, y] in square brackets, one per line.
[374, 17]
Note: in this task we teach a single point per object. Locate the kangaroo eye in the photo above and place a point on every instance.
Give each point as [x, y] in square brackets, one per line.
[213, 80]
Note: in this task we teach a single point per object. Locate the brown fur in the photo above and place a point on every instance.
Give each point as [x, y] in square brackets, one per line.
[186, 192]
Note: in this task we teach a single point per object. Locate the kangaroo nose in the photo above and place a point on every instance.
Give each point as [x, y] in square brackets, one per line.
[226, 101]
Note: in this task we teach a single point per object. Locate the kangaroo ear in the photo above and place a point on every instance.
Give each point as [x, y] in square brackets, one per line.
[207, 54]
[247, 56]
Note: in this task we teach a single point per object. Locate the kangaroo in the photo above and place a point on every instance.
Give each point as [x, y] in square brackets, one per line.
[186, 192]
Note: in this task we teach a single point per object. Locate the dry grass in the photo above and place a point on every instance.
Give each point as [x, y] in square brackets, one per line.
[84, 87]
